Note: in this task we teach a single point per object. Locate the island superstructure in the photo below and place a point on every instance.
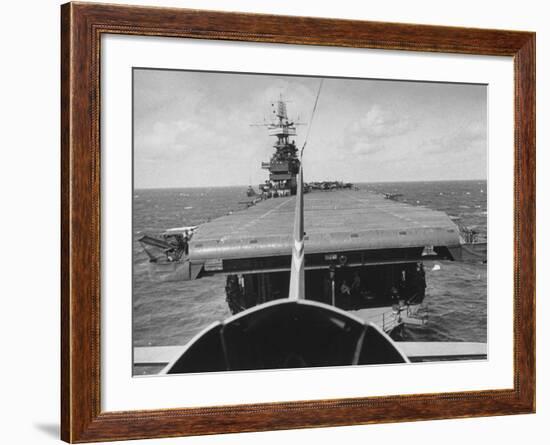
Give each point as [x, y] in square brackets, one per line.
[284, 163]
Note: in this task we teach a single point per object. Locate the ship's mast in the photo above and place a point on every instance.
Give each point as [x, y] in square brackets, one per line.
[283, 128]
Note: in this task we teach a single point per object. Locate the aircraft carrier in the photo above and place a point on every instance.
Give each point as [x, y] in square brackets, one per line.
[362, 250]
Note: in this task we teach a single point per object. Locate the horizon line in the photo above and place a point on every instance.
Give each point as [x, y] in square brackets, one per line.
[327, 180]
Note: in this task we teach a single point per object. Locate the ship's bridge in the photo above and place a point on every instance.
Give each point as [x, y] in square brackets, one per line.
[282, 131]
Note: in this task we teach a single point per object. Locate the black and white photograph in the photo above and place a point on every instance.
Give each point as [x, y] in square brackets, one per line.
[284, 221]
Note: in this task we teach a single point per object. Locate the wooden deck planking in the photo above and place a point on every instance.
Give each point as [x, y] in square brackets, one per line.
[331, 219]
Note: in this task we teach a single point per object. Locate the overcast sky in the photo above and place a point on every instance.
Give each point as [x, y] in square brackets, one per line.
[193, 129]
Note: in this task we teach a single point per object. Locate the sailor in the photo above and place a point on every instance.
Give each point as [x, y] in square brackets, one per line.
[356, 283]
[418, 285]
[394, 294]
[404, 284]
[183, 241]
[344, 288]
[421, 274]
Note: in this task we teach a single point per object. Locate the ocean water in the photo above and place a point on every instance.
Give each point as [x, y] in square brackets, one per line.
[172, 313]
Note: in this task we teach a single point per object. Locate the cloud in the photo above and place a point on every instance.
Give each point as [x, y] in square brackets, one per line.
[208, 137]
[380, 123]
[363, 148]
[193, 128]
[370, 134]
[164, 140]
[472, 135]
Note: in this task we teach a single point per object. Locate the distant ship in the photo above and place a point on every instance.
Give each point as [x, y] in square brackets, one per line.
[393, 196]
[363, 255]
[251, 192]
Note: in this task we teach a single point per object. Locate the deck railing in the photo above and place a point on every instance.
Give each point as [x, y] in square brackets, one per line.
[389, 320]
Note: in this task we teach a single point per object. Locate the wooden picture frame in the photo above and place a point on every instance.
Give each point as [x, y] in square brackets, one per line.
[82, 26]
